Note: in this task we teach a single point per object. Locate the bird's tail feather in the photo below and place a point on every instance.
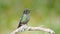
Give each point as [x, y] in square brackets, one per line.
[19, 25]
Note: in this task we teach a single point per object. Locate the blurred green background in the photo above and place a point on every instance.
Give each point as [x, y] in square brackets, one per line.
[43, 12]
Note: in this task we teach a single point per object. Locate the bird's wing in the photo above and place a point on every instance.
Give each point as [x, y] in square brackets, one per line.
[23, 18]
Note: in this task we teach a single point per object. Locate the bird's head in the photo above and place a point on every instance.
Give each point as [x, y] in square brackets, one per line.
[26, 11]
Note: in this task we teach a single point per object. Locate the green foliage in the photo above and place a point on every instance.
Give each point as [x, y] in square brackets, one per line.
[46, 12]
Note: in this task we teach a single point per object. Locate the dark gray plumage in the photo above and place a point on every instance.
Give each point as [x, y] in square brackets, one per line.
[25, 18]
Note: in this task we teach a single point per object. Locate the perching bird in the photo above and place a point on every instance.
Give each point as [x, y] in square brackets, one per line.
[25, 18]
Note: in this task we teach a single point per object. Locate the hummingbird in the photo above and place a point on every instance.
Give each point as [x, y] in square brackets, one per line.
[24, 18]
